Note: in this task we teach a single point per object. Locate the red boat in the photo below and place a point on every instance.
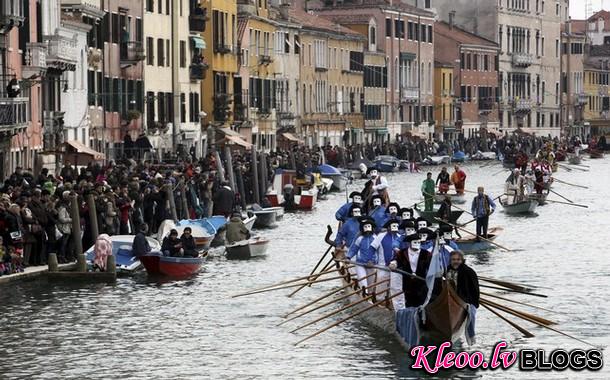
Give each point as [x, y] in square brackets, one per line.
[291, 192]
[157, 264]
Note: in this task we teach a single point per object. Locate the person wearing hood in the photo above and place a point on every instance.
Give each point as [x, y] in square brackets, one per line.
[224, 200]
[171, 245]
[361, 252]
[188, 243]
[377, 212]
[413, 260]
[350, 229]
[236, 229]
[342, 214]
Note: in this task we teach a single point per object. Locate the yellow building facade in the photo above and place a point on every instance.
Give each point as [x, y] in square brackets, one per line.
[444, 114]
[597, 109]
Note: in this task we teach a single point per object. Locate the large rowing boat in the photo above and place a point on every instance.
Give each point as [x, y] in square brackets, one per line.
[471, 244]
[527, 206]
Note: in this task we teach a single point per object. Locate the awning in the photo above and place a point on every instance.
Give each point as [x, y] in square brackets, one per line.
[76, 153]
[198, 42]
[382, 131]
[237, 140]
[228, 132]
[417, 134]
[407, 56]
[290, 137]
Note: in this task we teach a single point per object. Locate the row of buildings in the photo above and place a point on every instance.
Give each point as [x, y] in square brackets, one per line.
[88, 73]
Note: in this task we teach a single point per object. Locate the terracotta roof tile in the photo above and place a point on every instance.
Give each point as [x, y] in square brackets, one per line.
[460, 35]
[313, 21]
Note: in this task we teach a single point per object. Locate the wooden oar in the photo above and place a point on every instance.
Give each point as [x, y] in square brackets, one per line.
[523, 331]
[334, 300]
[473, 234]
[570, 184]
[506, 284]
[329, 232]
[559, 332]
[293, 280]
[513, 290]
[568, 168]
[461, 209]
[518, 313]
[566, 203]
[332, 259]
[286, 286]
[517, 302]
[348, 318]
[354, 285]
[496, 173]
[380, 267]
[554, 192]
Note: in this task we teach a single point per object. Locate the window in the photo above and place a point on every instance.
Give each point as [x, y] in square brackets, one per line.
[475, 62]
[388, 27]
[168, 55]
[556, 48]
[410, 29]
[430, 33]
[468, 62]
[399, 27]
[416, 31]
[150, 53]
[577, 47]
[356, 61]
[182, 53]
[160, 49]
[182, 107]
[167, 6]
[150, 5]
[160, 6]
[557, 10]
[116, 31]
[462, 61]
[372, 35]
[297, 44]
[139, 30]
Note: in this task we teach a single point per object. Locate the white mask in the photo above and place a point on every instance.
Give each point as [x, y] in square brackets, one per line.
[374, 173]
[357, 199]
[356, 213]
[406, 215]
[394, 227]
[393, 210]
[421, 225]
[423, 237]
[367, 228]
[447, 236]
[415, 245]
[377, 202]
[410, 231]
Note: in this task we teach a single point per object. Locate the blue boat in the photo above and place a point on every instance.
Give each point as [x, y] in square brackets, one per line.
[331, 172]
[386, 164]
[458, 156]
[126, 262]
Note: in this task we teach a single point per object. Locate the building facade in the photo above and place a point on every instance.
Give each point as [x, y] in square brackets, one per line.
[596, 88]
[574, 99]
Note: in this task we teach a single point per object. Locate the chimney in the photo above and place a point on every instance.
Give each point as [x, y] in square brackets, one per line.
[451, 19]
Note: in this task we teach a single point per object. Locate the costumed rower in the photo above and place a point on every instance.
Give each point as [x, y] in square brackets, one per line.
[361, 252]
[391, 212]
[342, 213]
[380, 185]
[377, 212]
[350, 229]
[385, 246]
[406, 214]
[458, 178]
[443, 181]
[446, 245]
[427, 190]
[416, 261]
[427, 238]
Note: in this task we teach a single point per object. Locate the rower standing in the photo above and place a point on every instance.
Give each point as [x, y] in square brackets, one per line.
[386, 245]
[458, 178]
[342, 213]
[377, 213]
[416, 261]
[361, 252]
[380, 185]
[427, 190]
[443, 181]
[482, 207]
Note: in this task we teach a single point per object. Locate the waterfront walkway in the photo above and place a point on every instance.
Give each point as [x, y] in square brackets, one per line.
[32, 272]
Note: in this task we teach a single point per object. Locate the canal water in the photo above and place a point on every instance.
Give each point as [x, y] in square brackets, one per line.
[194, 330]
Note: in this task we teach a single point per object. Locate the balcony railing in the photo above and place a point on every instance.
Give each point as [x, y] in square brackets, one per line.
[321, 66]
[409, 94]
[523, 59]
[35, 60]
[132, 52]
[523, 105]
[11, 14]
[198, 70]
[222, 48]
[62, 53]
[14, 114]
[198, 19]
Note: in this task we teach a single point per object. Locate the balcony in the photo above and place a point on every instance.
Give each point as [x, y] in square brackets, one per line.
[265, 59]
[198, 70]
[35, 60]
[522, 59]
[485, 106]
[11, 14]
[61, 53]
[132, 52]
[14, 115]
[523, 105]
[409, 94]
[197, 19]
[321, 66]
[222, 48]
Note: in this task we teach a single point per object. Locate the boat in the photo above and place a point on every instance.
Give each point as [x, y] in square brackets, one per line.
[292, 193]
[266, 217]
[431, 216]
[594, 153]
[483, 156]
[574, 159]
[330, 172]
[126, 262]
[386, 164]
[470, 244]
[446, 316]
[202, 230]
[246, 249]
[219, 239]
[458, 156]
[157, 264]
[457, 199]
[437, 160]
[540, 198]
[527, 206]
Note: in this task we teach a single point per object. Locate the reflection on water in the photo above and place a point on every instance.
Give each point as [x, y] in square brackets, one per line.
[143, 328]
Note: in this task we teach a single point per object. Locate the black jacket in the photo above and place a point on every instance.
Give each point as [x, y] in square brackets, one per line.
[468, 285]
[415, 290]
[223, 201]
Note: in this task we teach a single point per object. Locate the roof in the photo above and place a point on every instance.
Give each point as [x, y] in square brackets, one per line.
[315, 22]
[605, 15]
[462, 36]
[578, 26]
[384, 4]
[350, 19]
[599, 51]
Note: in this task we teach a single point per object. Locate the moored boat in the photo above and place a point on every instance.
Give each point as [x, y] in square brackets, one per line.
[267, 217]
[334, 174]
[219, 239]
[574, 159]
[594, 153]
[292, 193]
[126, 262]
[246, 249]
[386, 164]
[157, 264]
[483, 156]
[470, 244]
[437, 160]
[458, 156]
[527, 206]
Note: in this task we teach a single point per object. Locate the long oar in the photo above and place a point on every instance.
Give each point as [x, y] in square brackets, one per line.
[286, 286]
[517, 302]
[353, 285]
[523, 331]
[347, 318]
[506, 284]
[513, 290]
[568, 168]
[566, 203]
[570, 184]
[293, 280]
[554, 192]
[518, 313]
[329, 232]
[559, 332]
[332, 259]
[498, 172]
[473, 234]
[334, 300]
[380, 267]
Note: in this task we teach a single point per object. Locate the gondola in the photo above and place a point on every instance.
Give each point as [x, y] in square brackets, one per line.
[446, 317]
[470, 244]
[527, 206]
[431, 216]
[594, 153]
[574, 159]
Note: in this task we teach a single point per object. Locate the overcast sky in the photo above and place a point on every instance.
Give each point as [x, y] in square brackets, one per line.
[577, 7]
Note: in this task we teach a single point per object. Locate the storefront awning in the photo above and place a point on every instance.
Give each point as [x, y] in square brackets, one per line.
[76, 153]
[228, 132]
[238, 141]
[382, 131]
[290, 137]
[198, 42]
